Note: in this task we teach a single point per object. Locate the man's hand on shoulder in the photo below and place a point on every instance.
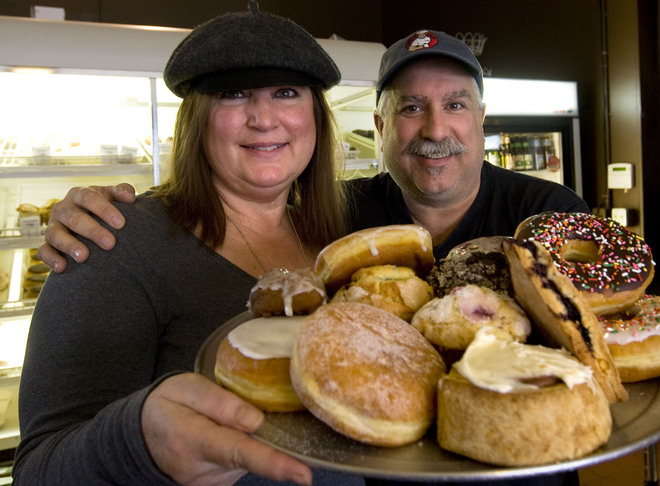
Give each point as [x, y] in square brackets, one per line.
[71, 215]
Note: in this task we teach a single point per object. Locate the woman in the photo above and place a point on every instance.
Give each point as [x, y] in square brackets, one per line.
[105, 398]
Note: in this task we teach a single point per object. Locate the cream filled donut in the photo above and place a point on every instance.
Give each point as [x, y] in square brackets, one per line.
[633, 338]
[513, 404]
[253, 362]
[405, 245]
[285, 292]
[452, 321]
[610, 265]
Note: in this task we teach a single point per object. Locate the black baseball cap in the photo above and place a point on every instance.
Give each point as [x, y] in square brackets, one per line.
[426, 43]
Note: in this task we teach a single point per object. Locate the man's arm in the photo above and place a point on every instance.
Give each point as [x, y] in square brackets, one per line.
[72, 214]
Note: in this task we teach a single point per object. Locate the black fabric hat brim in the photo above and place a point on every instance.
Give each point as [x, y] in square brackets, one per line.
[252, 78]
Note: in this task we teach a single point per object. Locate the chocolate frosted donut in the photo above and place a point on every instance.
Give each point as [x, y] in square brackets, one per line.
[476, 262]
[610, 265]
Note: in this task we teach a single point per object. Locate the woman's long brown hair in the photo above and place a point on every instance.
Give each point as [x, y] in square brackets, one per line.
[317, 198]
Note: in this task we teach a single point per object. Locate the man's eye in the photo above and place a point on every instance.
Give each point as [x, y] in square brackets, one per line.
[456, 105]
[410, 109]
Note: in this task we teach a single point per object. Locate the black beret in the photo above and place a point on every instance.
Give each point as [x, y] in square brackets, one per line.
[248, 50]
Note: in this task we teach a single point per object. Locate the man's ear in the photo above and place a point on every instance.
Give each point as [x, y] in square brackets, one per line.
[378, 121]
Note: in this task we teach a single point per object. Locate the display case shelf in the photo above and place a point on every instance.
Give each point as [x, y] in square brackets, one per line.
[20, 242]
[75, 170]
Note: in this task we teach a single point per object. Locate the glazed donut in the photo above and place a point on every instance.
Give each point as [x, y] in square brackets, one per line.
[391, 288]
[452, 321]
[609, 265]
[514, 404]
[253, 362]
[366, 373]
[405, 245]
[284, 292]
[633, 338]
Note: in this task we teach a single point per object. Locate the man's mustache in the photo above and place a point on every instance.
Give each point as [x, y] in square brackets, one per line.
[430, 149]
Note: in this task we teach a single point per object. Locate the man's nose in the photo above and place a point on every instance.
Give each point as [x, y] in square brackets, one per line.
[436, 124]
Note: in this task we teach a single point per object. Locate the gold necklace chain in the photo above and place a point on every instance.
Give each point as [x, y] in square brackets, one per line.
[254, 253]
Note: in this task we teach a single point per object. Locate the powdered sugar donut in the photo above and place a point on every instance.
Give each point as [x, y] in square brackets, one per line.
[633, 338]
[366, 373]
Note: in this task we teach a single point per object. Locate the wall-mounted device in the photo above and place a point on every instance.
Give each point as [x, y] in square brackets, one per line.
[620, 176]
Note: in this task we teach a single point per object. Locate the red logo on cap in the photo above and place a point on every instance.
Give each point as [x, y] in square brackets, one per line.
[422, 39]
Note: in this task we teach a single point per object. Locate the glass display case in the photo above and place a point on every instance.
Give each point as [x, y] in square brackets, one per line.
[353, 107]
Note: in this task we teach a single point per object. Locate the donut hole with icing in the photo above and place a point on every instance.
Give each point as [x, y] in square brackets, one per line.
[284, 292]
[610, 265]
[580, 251]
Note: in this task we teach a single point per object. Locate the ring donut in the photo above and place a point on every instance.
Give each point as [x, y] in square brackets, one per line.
[610, 265]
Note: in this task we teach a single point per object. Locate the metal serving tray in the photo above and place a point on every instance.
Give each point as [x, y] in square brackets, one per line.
[636, 425]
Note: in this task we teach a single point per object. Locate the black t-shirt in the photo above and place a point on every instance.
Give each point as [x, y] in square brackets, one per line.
[505, 199]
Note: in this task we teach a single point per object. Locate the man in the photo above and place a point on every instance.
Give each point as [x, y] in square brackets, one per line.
[430, 118]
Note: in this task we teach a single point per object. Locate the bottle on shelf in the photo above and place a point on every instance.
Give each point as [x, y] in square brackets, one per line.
[538, 154]
[506, 157]
[528, 160]
[551, 160]
[493, 156]
[518, 156]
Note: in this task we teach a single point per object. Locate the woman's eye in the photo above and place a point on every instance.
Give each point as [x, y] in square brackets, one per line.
[286, 93]
[230, 95]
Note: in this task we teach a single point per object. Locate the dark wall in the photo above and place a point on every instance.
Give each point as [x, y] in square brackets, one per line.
[649, 43]
[354, 20]
[544, 39]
